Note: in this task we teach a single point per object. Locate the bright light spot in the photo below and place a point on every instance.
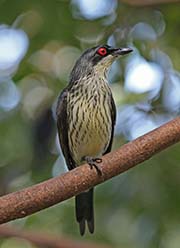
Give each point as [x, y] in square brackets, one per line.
[13, 46]
[133, 122]
[95, 8]
[142, 126]
[59, 166]
[36, 100]
[64, 61]
[143, 31]
[9, 95]
[114, 72]
[159, 23]
[143, 76]
[111, 41]
[43, 60]
[171, 94]
[162, 59]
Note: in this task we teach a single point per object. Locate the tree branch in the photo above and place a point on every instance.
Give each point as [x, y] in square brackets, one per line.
[30, 200]
[44, 240]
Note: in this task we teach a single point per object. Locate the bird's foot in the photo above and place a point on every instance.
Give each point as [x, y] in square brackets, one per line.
[93, 162]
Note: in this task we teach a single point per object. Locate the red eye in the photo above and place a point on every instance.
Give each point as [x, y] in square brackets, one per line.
[102, 51]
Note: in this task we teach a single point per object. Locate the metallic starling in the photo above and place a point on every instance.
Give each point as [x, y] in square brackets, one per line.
[86, 116]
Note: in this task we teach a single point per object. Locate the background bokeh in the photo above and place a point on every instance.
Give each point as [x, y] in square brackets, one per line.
[39, 43]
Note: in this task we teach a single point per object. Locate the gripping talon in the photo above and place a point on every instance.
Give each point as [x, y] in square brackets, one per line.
[93, 163]
[98, 160]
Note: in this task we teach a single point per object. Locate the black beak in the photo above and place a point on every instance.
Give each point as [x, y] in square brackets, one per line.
[121, 51]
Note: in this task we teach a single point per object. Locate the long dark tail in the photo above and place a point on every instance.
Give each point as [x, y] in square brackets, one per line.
[85, 211]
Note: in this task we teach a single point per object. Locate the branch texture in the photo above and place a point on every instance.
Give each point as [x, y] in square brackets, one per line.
[30, 200]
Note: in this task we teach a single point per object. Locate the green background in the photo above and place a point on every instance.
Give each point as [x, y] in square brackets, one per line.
[140, 208]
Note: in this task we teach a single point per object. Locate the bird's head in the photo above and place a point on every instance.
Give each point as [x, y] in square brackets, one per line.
[97, 59]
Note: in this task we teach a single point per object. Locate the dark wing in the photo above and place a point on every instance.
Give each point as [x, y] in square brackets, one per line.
[62, 125]
[113, 118]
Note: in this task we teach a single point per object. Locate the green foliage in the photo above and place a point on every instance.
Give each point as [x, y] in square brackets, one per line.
[137, 209]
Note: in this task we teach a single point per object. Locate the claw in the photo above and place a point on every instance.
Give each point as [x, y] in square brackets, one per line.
[98, 160]
[93, 163]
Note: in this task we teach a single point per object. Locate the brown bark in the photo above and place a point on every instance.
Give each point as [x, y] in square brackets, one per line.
[33, 199]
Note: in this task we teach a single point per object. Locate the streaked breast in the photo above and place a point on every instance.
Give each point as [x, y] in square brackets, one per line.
[90, 124]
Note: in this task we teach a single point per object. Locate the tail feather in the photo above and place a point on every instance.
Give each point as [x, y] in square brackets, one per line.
[85, 211]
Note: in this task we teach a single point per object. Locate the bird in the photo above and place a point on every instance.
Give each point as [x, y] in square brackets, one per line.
[86, 116]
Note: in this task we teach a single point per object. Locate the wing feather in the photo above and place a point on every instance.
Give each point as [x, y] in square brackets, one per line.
[62, 125]
[113, 119]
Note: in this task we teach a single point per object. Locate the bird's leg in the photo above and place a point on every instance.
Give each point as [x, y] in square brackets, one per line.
[93, 162]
